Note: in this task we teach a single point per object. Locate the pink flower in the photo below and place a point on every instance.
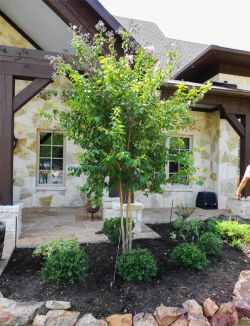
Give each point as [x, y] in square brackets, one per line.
[150, 49]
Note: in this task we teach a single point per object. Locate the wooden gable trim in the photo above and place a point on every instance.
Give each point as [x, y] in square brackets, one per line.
[19, 30]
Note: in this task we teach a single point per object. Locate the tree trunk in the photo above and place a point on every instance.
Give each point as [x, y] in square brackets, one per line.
[130, 219]
[121, 214]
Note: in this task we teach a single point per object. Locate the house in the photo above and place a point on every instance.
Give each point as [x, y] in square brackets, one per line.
[34, 154]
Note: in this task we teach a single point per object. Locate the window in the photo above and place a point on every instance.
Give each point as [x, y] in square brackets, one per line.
[51, 163]
[175, 166]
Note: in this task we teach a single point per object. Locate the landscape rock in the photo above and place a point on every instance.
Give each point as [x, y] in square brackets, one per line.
[144, 319]
[197, 320]
[58, 305]
[209, 308]
[193, 307]
[180, 321]
[13, 312]
[226, 316]
[1, 295]
[167, 315]
[39, 320]
[243, 306]
[90, 320]
[242, 286]
[120, 320]
[61, 318]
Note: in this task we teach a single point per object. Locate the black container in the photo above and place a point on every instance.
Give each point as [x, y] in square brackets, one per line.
[2, 236]
[206, 200]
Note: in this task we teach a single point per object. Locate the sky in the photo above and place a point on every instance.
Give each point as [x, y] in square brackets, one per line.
[219, 22]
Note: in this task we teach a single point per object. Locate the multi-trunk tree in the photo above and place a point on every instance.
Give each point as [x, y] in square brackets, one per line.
[117, 117]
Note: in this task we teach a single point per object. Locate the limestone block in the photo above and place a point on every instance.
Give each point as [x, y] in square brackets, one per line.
[120, 320]
[11, 214]
[241, 207]
[58, 305]
[209, 307]
[167, 315]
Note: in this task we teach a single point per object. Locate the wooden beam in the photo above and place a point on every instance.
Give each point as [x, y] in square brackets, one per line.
[245, 151]
[234, 122]
[6, 139]
[29, 92]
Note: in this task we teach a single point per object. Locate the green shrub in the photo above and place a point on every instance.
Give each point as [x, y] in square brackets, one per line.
[48, 248]
[189, 256]
[137, 265]
[64, 261]
[178, 222]
[210, 243]
[111, 228]
[233, 230]
[236, 243]
[191, 230]
[211, 226]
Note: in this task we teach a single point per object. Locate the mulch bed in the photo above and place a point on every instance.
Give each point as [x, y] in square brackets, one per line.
[22, 279]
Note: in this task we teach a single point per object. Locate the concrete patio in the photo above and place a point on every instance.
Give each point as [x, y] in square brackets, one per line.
[43, 224]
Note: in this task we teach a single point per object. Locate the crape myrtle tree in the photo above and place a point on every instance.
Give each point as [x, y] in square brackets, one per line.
[117, 117]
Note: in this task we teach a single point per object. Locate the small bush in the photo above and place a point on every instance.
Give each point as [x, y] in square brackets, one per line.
[178, 222]
[137, 265]
[211, 226]
[64, 261]
[48, 248]
[211, 244]
[192, 230]
[233, 230]
[112, 228]
[189, 256]
[237, 245]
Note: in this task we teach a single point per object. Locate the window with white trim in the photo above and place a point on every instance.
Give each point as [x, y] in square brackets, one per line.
[174, 166]
[50, 159]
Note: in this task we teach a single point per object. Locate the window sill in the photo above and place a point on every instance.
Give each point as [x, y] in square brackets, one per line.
[50, 188]
[179, 188]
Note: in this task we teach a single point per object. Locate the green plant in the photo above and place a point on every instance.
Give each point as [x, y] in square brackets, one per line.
[173, 235]
[112, 228]
[236, 243]
[64, 261]
[211, 226]
[137, 265]
[118, 118]
[233, 230]
[210, 243]
[184, 210]
[189, 256]
[178, 222]
[48, 248]
[192, 230]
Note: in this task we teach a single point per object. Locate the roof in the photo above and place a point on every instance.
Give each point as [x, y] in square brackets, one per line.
[214, 60]
[148, 33]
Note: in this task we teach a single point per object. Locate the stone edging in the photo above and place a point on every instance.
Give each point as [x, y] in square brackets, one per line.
[54, 313]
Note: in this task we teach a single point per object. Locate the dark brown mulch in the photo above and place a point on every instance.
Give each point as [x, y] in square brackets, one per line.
[22, 279]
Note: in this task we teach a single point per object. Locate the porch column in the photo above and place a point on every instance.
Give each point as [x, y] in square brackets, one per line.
[6, 139]
[245, 151]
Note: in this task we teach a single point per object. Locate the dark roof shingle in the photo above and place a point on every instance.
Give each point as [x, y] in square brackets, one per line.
[148, 33]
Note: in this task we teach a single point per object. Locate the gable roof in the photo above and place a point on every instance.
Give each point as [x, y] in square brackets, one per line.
[148, 33]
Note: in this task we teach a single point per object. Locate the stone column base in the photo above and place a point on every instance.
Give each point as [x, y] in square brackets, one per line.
[9, 215]
[241, 207]
[111, 208]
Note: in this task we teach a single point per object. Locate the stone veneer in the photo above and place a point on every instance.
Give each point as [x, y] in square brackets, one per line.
[219, 158]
